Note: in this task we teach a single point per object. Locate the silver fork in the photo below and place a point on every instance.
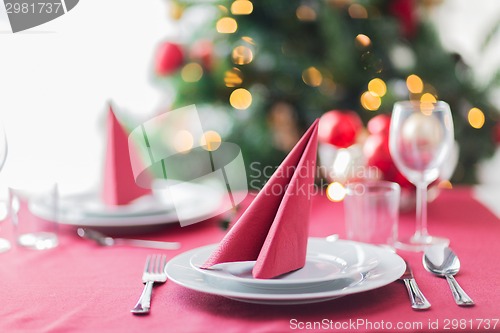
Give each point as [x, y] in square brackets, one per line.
[154, 271]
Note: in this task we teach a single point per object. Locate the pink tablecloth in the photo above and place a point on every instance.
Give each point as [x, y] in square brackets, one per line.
[80, 287]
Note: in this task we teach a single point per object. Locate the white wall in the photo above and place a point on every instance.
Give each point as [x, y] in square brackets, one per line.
[56, 79]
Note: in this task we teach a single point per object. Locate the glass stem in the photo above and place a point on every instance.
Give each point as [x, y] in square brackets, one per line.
[421, 231]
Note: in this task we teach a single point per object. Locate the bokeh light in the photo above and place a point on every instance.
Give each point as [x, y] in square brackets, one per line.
[476, 118]
[357, 11]
[377, 86]
[226, 25]
[370, 101]
[415, 84]
[223, 9]
[428, 98]
[305, 13]
[183, 141]
[240, 99]
[233, 77]
[342, 162]
[427, 102]
[335, 192]
[312, 77]
[242, 7]
[192, 72]
[363, 40]
[248, 39]
[445, 185]
[211, 140]
[242, 55]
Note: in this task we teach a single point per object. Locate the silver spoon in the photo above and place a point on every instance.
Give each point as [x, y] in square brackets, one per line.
[104, 240]
[442, 261]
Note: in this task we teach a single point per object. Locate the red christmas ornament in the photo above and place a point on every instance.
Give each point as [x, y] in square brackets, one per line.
[379, 124]
[377, 154]
[405, 11]
[339, 128]
[169, 58]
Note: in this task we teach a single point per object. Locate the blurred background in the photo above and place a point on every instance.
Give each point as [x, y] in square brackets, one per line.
[259, 73]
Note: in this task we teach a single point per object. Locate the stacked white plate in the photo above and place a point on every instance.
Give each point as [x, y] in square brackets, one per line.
[197, 202]
[332, 270]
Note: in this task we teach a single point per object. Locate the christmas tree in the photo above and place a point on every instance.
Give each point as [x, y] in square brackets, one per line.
[260, 72]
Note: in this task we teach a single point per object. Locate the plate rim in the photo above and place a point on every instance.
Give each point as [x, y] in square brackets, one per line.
[213, 201]
[396, 273]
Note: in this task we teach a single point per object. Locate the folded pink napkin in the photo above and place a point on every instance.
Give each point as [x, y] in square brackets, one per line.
[119, 186]
[273, 231]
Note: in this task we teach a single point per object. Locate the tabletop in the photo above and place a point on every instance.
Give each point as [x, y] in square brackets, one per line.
[81, 287]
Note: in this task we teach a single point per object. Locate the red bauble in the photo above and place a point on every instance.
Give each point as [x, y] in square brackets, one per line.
[405, 11]
[169, 58]
[376, 152]
[339, 128]
[379, 124]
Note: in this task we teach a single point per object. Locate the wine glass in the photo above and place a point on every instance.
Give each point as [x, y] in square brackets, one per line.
[4, 243]
[420, 139]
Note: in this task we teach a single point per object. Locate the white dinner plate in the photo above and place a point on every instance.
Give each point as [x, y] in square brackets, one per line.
[90, 204]
[196, 202]
[389, 268]
[321, 266]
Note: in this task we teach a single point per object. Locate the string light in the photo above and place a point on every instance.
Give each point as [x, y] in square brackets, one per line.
[233, 77]
[242, 55]
[427, 101]
[370, 101]
[335, 192]
[415, 84]
[248, 39]
[305, 13]
[428, 98]
[240, 99]
[183, 141]
[211, 140]
[312, 77]
[377, 86]
[192, 72]
[363, 40]
[328, 86]
[357, 11]
[223, 9]
[476, 118]
[445, 185]
[226, 25]
[242, 7]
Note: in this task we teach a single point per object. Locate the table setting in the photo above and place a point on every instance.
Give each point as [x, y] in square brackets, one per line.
[292, 259]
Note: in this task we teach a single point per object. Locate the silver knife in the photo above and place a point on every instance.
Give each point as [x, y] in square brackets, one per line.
[418, 300]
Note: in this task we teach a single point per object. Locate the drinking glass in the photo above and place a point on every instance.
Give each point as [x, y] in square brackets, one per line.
[4, 243]
[34, 211]
[420, 138]
[371, 212]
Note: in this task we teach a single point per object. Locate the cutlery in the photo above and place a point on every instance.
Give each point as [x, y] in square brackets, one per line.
[442, 261]
[104, 240]
[417, 298]
[154, 272]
